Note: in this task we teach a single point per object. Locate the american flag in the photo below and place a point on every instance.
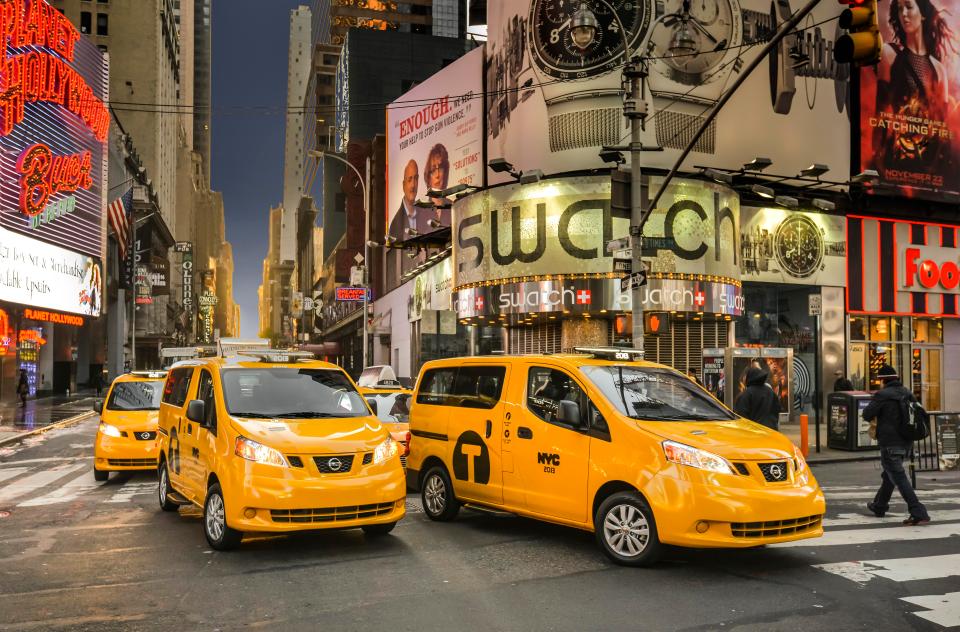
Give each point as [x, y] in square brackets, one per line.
[119, 220]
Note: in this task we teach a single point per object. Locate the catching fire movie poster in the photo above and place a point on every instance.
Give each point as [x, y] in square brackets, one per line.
[910, 101]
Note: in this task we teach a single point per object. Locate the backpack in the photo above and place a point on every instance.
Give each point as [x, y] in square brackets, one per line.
[915, 424]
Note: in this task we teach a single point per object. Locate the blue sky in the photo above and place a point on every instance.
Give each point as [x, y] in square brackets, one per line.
[250, 40]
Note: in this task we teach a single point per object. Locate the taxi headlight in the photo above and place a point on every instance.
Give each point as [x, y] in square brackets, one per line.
[695, 457]
[110, 431]
[252, 451]
[385, 451]
[801, 463]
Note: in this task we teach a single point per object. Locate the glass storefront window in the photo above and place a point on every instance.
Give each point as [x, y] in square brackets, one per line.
[858, 328]
[879, 328]
[928, 330]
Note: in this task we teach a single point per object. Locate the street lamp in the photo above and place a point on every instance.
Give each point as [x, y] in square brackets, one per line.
[365, 188]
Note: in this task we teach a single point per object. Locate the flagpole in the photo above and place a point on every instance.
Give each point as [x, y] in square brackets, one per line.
[133, 285]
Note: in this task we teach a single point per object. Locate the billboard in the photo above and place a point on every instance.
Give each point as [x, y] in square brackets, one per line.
[778, 245]
[550, 107]
[909, 112]
[434, 141]
[36, 273]
[53, 129]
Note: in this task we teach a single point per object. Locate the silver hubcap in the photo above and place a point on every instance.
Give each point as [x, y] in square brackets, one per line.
[163, 485]
[626, 530]
[215, 520]
[434, 495]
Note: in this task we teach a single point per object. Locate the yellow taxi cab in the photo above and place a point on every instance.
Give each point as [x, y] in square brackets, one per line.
[634, 451]
[275, 441]
[389, 401]
[126, 437]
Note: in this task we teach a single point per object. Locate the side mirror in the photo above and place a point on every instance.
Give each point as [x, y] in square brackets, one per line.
[196, 411]
[98, 406]
[569, 413]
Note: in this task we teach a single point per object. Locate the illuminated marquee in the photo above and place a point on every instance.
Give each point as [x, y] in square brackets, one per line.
[53, 317]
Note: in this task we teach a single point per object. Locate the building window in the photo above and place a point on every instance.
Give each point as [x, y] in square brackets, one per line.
[102, 24]
[103, 1]
[86, 21]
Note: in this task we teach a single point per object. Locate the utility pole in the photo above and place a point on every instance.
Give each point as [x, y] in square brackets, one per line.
[635, 110]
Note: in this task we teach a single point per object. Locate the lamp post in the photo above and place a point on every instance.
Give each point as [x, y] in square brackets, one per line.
[365, 187]
[583, 31]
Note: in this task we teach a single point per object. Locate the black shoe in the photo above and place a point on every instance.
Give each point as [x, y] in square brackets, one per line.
[916, 522]
[875, 511]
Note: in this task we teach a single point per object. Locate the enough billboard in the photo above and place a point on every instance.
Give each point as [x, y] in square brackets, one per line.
[909, 112]
[551, 106]
[53, 129]
[434, 141]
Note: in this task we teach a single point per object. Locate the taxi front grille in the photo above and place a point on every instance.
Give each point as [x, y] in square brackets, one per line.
[331, 514]
[775, 472]
[773, 528]
[144, 435]
[334, 464]
[403, 460]
[131, 462]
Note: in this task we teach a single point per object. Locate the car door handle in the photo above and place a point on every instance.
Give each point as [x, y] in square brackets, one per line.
[524, 433]
[189, 429]
[489, 428]
[195, 452]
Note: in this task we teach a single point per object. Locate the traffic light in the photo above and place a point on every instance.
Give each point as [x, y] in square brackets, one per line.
[862, 42]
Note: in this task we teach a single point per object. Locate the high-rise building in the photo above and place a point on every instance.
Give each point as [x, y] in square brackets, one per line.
[202, 43]
[298, 74]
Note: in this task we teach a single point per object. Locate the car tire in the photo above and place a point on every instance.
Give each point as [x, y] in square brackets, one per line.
[626, 530]
[163, 488]
[437, 497]
[219, 535]
[100, 475]
[378, 530]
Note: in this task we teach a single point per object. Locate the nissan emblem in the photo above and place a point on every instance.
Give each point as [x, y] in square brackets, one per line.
[776, 472]
[334, 464]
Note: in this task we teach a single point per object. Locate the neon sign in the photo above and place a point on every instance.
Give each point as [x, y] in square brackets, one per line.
[51, 317]
[42, 174]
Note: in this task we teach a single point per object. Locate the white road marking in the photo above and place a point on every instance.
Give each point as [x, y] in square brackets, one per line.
[880, 534]
[37, 481]
[126, 493]
[67, 492]
[942, 609]
[856, 519]
[902, 569]
[59, 459]
[11, 472]
[923, 493]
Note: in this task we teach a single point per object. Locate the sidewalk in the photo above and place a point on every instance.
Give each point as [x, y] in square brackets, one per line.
[826, 455]
[43, 412]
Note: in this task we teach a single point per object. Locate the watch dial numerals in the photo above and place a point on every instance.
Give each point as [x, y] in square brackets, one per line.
[799, 246]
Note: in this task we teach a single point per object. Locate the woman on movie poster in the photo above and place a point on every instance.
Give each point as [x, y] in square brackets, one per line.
[913, 129]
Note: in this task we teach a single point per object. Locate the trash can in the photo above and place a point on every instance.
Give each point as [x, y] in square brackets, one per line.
[846, 428]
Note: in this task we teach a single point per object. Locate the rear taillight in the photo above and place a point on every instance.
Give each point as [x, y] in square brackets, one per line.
[406, 444]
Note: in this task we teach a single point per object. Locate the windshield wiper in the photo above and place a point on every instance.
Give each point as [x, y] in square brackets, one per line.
[685, 417]
[307, 414]
[253, 415]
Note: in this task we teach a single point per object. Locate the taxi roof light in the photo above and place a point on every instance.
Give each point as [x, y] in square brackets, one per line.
[150, 374]
[278, 356]
[229, 347]
[612, 353]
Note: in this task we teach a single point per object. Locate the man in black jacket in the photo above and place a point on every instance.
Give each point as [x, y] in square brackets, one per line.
[758, 402]
[887, 407]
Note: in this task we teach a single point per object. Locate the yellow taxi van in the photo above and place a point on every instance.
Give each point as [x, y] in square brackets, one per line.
[275, 441]
[599, 440]
[127, 436]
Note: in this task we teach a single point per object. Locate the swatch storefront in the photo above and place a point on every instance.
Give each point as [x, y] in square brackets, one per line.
[532, 273]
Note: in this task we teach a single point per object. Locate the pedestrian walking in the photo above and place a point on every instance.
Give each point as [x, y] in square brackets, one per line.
[23, 388]
[98, 382]
[889, 408]
[692, 374]
[758, 402]
[841, 384]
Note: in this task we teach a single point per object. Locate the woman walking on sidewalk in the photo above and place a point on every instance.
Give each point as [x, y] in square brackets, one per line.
[23, 388]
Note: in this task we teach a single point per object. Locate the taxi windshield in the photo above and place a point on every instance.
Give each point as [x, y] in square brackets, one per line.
[655, 394]
[392, 407]
[291, 393]
[135, 396]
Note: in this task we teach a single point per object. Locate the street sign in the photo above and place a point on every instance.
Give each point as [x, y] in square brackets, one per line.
[815, 304]
[635, 281]
[307, 304]
[358, 258]
[622, 265]
[356, 275]
[618, 244]
[355, 294]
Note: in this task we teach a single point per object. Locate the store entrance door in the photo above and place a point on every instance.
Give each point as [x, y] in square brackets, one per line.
[927, 373]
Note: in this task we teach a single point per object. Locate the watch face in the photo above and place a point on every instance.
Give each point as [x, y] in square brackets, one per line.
[798, 245]
[552, 43]
[690, 38]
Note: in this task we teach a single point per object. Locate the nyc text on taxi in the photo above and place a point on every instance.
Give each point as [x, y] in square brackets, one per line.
[631, 450]
[275, 442]
[126, 437]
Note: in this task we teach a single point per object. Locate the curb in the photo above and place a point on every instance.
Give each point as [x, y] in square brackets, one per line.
[835, 460]
[60, 424]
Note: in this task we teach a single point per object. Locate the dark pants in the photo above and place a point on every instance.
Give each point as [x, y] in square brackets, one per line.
[891, 460]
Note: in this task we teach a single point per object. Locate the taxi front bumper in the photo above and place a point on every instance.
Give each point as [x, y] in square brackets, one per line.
[261, 502]
[125, 453]
[693, 508]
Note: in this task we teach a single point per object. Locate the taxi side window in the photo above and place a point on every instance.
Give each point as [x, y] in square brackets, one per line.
[205, 393]
[176, 387]
[478, 386]
[436, 386]
[546, 388]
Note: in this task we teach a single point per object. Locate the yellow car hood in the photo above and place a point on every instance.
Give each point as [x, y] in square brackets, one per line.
[738, 439]
[314, 436]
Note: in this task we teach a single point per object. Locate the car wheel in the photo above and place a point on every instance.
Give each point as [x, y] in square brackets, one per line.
[163, 488]
[219, 535]
[626, 530]
[436, 495]
[377, 530]
[100, 475]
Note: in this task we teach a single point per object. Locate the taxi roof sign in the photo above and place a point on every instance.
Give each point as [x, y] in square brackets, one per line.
[229, 347]
[612, 353]
[278, 356]
[156, 375]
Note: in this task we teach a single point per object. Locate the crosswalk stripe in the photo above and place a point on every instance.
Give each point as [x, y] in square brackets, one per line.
[37, 481]
[65, 493]
[853, 519]
[126, 493]
[11, 472]
[880, 534]
[923, 493]
[902, 569]
[941, 609]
